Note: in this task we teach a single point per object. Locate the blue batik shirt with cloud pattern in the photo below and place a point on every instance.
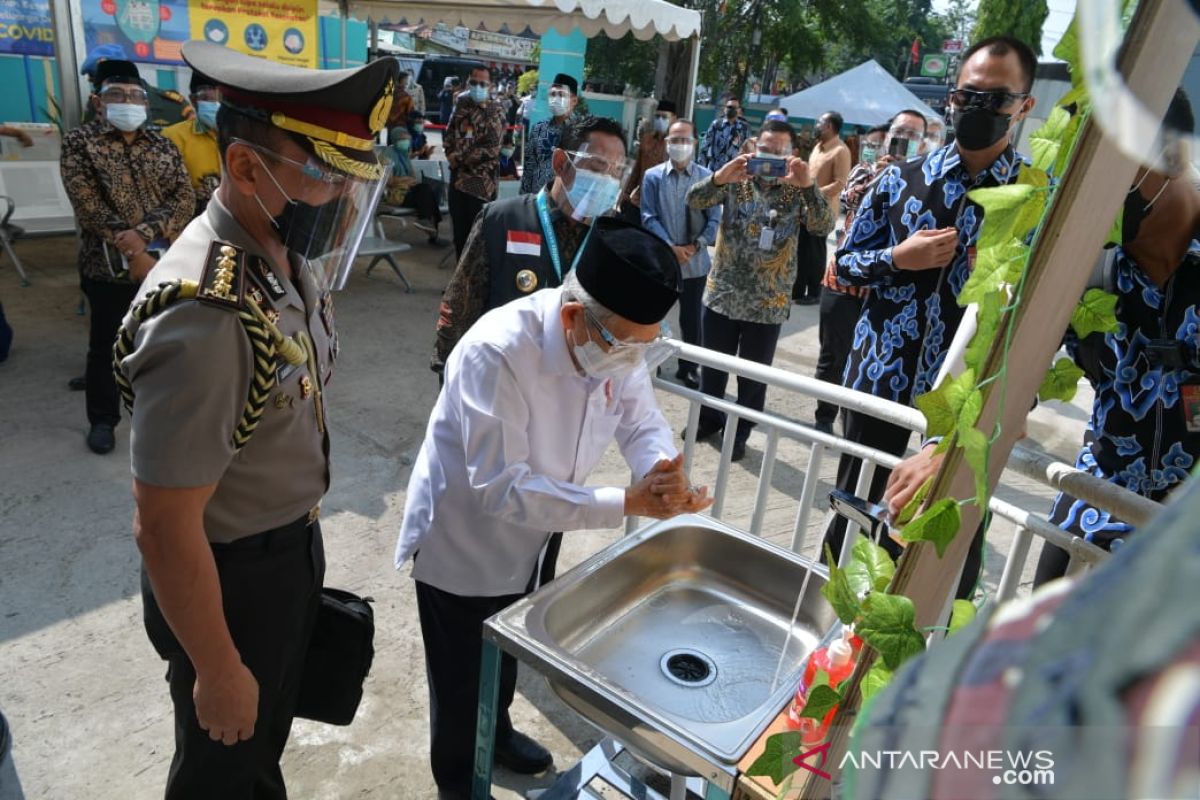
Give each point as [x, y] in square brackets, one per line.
[910, 317]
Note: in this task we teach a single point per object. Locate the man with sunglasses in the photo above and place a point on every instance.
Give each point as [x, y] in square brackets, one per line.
[725, 136]
[912, 244]
[197, 139]
[535, 393]
[472, 145]
[131, 196]
[225, 362]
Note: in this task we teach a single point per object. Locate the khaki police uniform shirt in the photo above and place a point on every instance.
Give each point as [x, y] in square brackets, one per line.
[191, 370]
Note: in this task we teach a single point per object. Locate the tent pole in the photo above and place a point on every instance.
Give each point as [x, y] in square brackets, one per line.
[344, 10]
[66, 60]
[689, 100]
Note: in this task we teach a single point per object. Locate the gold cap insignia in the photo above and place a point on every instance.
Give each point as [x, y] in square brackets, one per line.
[383, 108]
[527, 280]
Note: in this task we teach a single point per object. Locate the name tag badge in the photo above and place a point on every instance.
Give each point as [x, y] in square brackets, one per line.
[766, 239]
[1190, 395]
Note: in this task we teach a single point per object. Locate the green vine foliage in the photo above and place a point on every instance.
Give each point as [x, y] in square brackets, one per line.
[1012, 214]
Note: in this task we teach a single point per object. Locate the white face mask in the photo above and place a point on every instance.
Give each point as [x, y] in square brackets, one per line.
[680, 153]
[596, 363]
[126, 117]
[559, 106]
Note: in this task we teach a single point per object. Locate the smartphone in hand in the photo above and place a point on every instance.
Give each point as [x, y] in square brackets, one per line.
[767, 167]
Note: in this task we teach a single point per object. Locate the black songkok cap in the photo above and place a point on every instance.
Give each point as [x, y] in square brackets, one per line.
[113, 69]
[563, 79]
[629, 271]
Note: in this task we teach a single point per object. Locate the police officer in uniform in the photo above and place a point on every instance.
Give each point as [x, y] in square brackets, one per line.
[224, 360]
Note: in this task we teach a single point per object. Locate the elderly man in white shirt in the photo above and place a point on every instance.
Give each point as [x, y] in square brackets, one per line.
[535, 392]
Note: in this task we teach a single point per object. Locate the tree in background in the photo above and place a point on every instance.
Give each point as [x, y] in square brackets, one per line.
[528, 82]
[889, 29]
[1022, 19]
[624, 61]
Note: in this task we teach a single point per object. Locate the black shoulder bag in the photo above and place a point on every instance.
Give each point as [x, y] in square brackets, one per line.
[339, 658]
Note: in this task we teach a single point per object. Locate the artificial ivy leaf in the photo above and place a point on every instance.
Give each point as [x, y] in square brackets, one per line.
[1009, 212]
[1033, 176]
[820, 700]
[943, 405]
[938, 524]
[776, 761]
[1046, 140]
[1061, 381]
[909, 511]
[870, 568]
[1097, 311]
[839, 593]
[887, 625]
[974, 443]
[1078, 97]
[1068, 144]
[995, 265]
[972, 407]
[1067, 50]
[987, 322]
[877, 677]
[961, 615]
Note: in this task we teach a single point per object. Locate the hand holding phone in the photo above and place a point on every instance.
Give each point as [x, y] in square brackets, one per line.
[767, 167]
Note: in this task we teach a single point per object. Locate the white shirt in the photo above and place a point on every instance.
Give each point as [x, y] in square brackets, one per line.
[511, 439]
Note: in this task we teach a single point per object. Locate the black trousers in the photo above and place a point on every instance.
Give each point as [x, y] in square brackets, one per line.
[270, 585]
[107, 304]
[865, 430]
[463, 210]
[839, 316]
[452, 630]
[810, 265]
[753, 341]
[692, 290]
[423, 199]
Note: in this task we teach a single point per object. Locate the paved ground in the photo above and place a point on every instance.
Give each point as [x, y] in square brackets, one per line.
[81, 686]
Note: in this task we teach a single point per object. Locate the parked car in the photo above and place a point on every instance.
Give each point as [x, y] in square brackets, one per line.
[434, 71]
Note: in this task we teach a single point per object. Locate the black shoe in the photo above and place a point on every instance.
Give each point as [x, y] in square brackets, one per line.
[688, 378]
[739, 451]
[523, 755]
[77, 384]
[100, 438]
[702, 432]
[824, 426]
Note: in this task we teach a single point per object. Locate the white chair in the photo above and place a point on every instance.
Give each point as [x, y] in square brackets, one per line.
[380, 248]
[9, 233]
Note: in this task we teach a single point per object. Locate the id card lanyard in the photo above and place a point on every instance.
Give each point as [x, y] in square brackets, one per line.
[543, 209]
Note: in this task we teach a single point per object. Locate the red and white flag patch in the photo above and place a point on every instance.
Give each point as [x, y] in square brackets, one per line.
[524, 243]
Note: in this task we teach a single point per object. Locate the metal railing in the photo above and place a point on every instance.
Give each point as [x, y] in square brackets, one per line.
[1133, 508]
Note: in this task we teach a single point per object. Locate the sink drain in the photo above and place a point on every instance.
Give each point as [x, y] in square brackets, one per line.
[689, 668]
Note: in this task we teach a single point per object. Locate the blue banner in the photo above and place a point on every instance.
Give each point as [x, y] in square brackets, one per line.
[25, 28]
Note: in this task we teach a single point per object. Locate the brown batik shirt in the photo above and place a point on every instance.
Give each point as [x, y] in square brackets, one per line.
[117, 186]
[472, 145]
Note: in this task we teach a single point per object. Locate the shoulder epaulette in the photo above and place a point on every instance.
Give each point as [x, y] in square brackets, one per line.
[223, 281]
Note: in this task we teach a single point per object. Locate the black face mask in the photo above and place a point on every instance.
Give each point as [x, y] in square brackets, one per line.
[1137, 208]
[731, 112]
[307, 230]
[979, 128]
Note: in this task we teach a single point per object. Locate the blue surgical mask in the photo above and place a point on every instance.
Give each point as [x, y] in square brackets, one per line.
[125, 117]
[507, 152]
[206, 112]
[403, 145]
[592, 193]
[479, 93]
[418, 127]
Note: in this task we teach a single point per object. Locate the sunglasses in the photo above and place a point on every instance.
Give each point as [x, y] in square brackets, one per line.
[991, 100]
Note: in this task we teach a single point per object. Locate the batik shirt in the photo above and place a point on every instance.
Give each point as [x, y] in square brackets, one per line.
[1144, 433]
[910, 316]
[539, 147]
[116, 186]
[722, 142]
[472, 146]
[749, 282]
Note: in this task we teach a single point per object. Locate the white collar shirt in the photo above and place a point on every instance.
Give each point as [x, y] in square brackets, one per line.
[512, 438]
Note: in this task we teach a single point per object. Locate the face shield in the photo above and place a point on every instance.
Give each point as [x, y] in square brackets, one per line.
[594, 182]
[903, 142]
[325, 213]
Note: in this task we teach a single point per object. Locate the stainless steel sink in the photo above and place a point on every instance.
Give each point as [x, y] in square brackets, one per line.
[671, 639]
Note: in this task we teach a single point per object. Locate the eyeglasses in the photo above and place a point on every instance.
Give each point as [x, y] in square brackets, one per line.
[208, 95]
[114, 94]
[664, 332]
[478, 84]
[993, 100]
[308, 169]
[680, 140]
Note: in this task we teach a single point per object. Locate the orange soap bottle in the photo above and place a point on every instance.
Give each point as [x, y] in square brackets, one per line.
[836, 661]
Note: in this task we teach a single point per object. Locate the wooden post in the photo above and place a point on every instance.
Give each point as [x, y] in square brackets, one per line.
[1090, 195]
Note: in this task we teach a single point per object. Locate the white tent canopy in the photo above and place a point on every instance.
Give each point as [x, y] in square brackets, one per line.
[864, 95]
[644, 18]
